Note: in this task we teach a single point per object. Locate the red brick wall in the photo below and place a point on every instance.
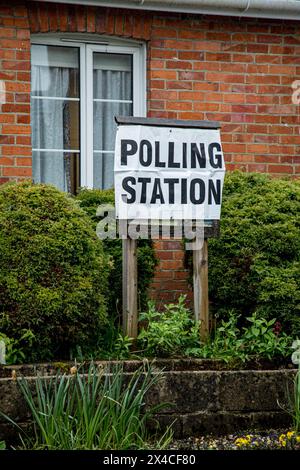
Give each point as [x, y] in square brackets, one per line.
[172, 276]
[237, 71]
[15, 140]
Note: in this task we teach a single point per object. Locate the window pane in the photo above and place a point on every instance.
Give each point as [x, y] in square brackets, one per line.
[105, 125]
[55, 114]
[58, 168]
[112, 96]
[55, 71]
[112, 76]
[55, 124]
[103, 170]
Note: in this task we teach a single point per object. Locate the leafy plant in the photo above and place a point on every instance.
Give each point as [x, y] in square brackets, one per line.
[261, 339]
[258, 340]
[101, 410]
[122, 347]
[53, 271]
[226, 343]
[14, 353]
[2, 445]
[174, 332]
[110, 346]
[168, 332]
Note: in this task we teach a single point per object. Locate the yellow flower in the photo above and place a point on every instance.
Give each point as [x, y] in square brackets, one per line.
[298, 439]
[282, 440]
[290, 434]
[242, 441]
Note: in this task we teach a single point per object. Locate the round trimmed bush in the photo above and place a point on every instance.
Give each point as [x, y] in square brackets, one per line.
[53, 272]
[255, 264]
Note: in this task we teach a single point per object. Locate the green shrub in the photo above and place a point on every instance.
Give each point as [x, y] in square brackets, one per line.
[89, 200]
[14, 353]
[53, 272]
[168, 332]
[255, 264]
[257, 340]
[174, 332]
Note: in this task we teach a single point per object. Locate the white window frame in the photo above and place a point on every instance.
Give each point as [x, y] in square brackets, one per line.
[87, 45]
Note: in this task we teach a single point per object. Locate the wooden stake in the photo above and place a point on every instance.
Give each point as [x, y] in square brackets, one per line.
[129, 280]
[200, 281]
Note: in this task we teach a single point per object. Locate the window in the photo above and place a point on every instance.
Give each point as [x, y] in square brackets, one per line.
[77, 89]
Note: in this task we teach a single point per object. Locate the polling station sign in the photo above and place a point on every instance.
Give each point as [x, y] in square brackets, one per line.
[168, 172]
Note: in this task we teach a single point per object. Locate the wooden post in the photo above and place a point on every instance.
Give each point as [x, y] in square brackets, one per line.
[129, 285]
[200, 281]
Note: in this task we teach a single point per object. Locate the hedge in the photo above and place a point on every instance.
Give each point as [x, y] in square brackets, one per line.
[255, 264]
[53, 272]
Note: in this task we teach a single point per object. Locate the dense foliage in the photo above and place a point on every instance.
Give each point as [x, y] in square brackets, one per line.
[173, 332]
[168, 332]
[90, 200]
[57, 279]
[53, 273]
[255, 264]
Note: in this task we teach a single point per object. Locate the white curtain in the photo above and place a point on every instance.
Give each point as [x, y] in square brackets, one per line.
[51, 121]
[50, 129]
[110, 85]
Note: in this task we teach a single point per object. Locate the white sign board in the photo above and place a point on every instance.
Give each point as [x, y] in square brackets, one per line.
[168, 173]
